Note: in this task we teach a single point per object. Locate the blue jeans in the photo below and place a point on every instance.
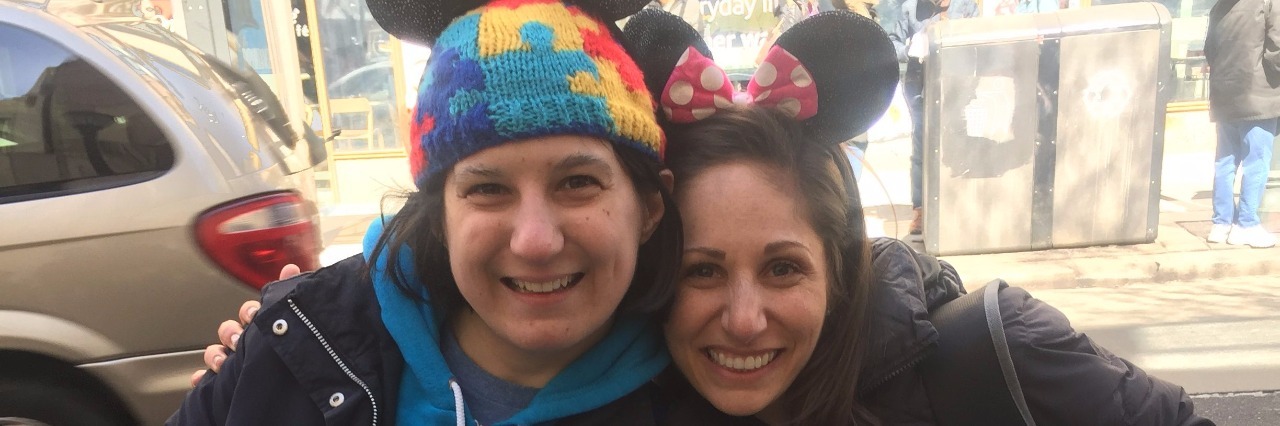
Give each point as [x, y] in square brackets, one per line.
[913, 92]
[1246, 146]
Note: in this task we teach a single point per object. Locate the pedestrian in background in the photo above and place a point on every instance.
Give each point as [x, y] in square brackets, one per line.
[909, 39]
[856, 148]
[1243, 50]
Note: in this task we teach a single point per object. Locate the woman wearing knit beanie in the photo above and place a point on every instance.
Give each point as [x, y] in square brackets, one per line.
[506, 290]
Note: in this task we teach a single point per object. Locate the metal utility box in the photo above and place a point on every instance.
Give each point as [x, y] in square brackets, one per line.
[1045, 131]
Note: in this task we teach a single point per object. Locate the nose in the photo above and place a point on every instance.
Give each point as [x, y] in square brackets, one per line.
[536, 234]
[744, 319]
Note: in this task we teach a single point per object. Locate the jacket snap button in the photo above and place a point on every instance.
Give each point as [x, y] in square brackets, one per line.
[336, 399]
[280, 327]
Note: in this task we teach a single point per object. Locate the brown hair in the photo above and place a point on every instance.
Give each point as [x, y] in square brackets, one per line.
[824, 391]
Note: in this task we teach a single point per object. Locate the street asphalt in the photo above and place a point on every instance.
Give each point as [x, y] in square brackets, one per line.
[1240, 409]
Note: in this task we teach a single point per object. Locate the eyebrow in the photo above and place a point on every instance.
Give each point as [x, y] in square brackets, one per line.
[709, 252]
[773, 247]
[784, 244]
[579, 159]
[479, 171]
[778, 246]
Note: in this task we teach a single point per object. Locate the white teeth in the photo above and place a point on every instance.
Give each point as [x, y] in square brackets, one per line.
[546, 287]
[742, 363]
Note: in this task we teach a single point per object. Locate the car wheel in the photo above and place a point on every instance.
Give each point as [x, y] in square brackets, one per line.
[29, 402]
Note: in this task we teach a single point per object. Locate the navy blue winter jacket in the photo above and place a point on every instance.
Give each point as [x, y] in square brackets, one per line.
[318, 354]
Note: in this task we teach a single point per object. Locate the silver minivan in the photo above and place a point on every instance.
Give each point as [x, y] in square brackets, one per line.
[146, 189]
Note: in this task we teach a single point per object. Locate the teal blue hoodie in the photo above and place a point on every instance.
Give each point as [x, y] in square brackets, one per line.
[631, 355]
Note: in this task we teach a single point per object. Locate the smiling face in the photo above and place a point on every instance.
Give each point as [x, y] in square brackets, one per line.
[542, 237]
[753, 287]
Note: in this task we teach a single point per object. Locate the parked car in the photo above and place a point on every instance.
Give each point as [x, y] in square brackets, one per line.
[145, 191]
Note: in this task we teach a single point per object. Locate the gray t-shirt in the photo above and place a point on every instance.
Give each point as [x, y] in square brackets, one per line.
[489, 398]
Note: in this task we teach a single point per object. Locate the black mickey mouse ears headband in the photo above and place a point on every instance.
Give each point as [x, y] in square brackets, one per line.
[422, 21]
[835, 72]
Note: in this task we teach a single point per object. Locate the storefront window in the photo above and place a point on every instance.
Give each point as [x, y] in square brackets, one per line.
[357, 62]
[737, 30]
[1190, 25]
[247, 36]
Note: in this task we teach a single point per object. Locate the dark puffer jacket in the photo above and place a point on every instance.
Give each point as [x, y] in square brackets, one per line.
[287, 374]
[1067, 380]
[1243, 49]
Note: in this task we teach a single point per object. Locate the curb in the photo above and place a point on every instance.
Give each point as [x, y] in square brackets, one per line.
[1179, 253]
[1114, 266]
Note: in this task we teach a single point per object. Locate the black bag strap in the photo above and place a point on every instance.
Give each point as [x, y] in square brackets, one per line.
[969, 377]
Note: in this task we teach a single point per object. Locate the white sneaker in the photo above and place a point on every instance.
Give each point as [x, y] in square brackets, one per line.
[1218, 234]
[1253, 236]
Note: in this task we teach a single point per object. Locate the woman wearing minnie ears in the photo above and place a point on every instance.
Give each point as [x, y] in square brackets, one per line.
[506, 290]
[777, 319]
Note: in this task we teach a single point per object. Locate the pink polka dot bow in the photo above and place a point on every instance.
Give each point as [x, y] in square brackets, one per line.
[698, 87]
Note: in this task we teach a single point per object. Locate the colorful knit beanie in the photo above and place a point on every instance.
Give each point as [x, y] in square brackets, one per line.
[519, 69]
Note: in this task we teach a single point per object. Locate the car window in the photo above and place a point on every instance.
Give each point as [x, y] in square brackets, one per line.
[65, 127]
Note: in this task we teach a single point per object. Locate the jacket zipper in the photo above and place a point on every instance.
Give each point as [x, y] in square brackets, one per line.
[372, 402]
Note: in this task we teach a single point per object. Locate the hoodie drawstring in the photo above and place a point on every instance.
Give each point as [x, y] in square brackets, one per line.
[458, 409]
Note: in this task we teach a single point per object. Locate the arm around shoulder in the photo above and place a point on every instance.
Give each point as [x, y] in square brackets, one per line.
[1055, 364]
[254, 387]
[209, 402]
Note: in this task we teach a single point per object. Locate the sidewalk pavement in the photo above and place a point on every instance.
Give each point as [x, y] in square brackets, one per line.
[1211, 336]
[1179, 252]
[342, 230]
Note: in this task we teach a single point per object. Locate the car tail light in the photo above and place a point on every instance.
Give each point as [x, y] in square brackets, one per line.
[254, 238]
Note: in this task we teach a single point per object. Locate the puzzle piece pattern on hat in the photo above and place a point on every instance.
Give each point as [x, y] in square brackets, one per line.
[518, 69]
